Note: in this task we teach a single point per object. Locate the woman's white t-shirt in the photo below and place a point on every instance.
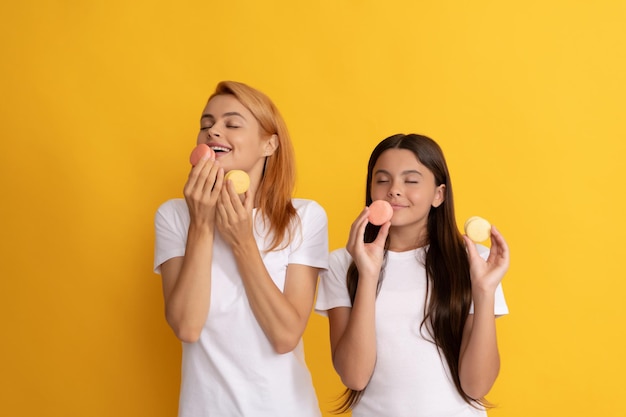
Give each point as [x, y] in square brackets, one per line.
[232, 369]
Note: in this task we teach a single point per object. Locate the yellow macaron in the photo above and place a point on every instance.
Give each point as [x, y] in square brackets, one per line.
[240, 180]
[477, 229]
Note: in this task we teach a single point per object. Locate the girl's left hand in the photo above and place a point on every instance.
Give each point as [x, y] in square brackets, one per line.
[234, 217]
[487, 274]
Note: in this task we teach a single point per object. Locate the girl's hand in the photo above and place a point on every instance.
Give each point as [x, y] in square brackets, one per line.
[368, 257]
[486, 275]
[234, 217]
[202, 190]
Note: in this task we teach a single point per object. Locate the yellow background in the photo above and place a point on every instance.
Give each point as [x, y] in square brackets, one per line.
[100, 102]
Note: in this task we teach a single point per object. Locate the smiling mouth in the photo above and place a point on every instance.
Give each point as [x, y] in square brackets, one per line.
[220, 149]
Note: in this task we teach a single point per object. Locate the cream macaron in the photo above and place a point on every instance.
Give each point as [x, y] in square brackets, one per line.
[477, 229]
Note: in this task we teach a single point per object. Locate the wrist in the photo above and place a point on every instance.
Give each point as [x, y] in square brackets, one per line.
[483, 296]
[243, 248]
[200, 230]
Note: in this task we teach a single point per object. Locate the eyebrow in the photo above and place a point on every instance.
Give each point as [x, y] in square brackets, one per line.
[227, 114]
[407, 172]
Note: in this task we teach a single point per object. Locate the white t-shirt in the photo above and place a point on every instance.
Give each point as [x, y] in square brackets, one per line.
[410, 378]
[232, 369]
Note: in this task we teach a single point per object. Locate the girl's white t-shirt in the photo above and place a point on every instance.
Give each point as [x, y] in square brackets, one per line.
[410, 377]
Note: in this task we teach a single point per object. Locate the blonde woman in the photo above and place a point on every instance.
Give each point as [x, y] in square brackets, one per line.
[239, 272]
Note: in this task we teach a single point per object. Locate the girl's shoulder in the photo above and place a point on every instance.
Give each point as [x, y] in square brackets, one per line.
[340, 257]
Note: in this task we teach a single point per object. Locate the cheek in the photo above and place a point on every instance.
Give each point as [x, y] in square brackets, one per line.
[378, 192]
[202, 137]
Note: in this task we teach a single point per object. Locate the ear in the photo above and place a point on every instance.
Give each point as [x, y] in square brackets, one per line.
[271, 145]
[440, 195]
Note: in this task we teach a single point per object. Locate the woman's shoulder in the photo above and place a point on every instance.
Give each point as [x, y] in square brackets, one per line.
[303, 203]
[306, 208]
[175, 206]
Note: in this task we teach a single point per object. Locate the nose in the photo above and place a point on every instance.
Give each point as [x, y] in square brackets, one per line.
[394, 191]
[214, 132]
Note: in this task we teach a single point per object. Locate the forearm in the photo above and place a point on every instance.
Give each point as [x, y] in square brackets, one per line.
[354, 356]
[188, 302]
[480, 360]
[282, 323]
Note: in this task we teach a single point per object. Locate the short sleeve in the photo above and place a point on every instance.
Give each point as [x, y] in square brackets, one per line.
[311, 245]
[171, 224]
[332, 290]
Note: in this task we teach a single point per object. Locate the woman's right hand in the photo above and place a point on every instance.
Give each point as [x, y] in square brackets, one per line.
[368, 257]
[202, 190]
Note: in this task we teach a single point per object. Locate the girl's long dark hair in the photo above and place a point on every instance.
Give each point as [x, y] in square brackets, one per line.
[448, 290]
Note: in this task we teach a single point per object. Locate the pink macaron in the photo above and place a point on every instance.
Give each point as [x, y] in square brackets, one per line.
[380, 212]
[199, 152]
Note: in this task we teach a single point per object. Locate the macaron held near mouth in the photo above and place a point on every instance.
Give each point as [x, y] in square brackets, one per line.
[199, 152]
[380, 212]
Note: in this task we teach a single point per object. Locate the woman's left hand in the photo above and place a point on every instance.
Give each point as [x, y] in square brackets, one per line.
[487, 274]
[234, 217]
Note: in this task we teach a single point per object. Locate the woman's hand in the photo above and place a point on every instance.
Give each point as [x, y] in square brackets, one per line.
[202, 190]
[368, 257]
[234, 217]
[486, 275]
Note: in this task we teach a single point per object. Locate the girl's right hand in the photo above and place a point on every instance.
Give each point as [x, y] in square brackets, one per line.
[202, 190]
[368, 257]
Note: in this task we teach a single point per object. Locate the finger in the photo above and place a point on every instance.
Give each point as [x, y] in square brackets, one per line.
[248, 201]
[357, 230]
[193, 177]
[382, 234]
[197, 177]
[208, 176]
[232, 201]
[470, 246]
[499, 247]
[221, 212]
[219, 182]
[225, 198]
[497, 238]
[235, 199]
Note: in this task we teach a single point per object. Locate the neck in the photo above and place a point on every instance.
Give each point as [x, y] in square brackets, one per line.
[404, 239]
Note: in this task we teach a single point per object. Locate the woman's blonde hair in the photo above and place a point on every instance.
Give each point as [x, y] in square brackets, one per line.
[279, 175]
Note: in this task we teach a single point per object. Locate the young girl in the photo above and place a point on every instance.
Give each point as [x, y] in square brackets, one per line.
[239, 272]
[412, 303]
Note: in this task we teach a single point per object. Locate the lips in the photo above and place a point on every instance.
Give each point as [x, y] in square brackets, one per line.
[397, 206]
[219, 149]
